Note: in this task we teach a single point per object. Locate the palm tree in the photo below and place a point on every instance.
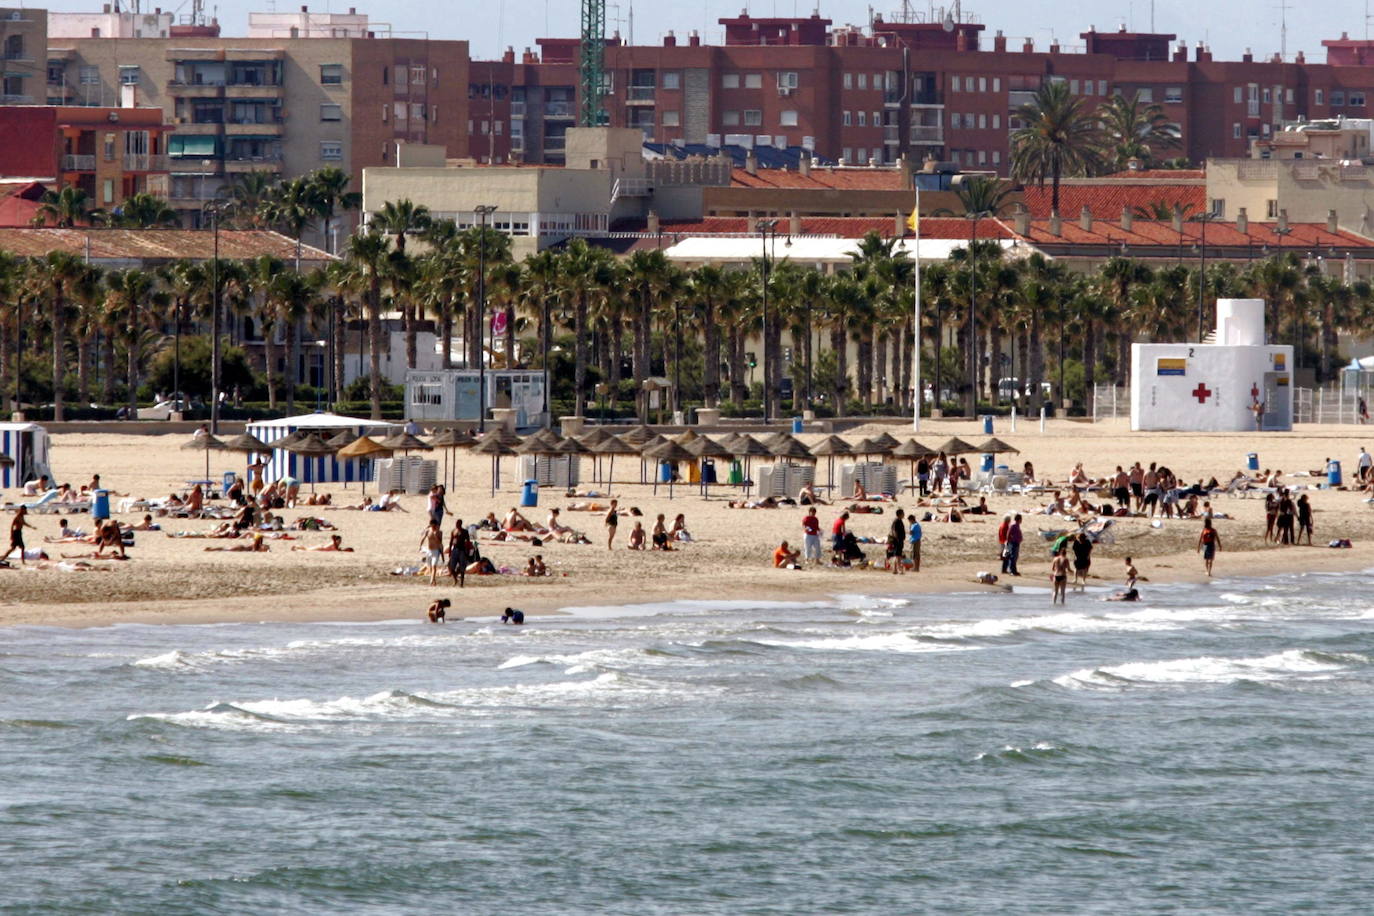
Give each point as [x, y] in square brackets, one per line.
[145, 211]
[1160, 211]
[1133, 129]
[130, 295]
[63, 208]
[249, 192]
[1058, 136]
[981, 196]
[708, 287]
[294, 206]
[646, 275]
[587, 274]
[58, 272]
[367, 256]
[331, 196]
[290, 296]
[11, 281]
[399, 218]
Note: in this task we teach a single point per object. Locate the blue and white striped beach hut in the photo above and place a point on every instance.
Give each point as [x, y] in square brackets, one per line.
[27, 445]
[325, 469]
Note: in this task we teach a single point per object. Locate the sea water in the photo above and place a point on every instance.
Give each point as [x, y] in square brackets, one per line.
[1207, 750]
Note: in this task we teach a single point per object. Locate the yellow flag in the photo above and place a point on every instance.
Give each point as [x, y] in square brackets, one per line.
[913, 222]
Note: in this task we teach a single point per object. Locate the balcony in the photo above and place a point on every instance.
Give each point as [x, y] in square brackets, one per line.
[78, 163]
[892, 134]
[560, 110]
[206, 129]
[639, 95]
[203, 90]
[242, 128]
[12, 99]
[252, 90]
[144, 162]
[927, 134]
[1354, 173]
[1018, 97]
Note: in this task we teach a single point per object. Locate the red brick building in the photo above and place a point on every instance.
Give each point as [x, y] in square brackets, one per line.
[896, 88]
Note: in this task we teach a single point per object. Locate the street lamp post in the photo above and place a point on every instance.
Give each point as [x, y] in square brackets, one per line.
[482, 213]
[766, 226]
[216, 357]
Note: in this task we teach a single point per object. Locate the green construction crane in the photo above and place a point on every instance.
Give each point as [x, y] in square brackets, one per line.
[592, 66]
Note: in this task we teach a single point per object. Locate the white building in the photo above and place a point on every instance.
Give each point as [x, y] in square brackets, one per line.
[1215, 387]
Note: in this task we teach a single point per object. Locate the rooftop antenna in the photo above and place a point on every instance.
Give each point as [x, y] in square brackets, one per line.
[1283, 29]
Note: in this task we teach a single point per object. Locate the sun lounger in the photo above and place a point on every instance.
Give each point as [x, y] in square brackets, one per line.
[44, 503]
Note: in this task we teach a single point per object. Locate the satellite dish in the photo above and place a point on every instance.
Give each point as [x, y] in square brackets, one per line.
[948, 24]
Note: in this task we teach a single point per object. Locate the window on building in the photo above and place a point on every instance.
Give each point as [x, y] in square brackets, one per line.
[128, 75]
[1357, 99]
[486, 127]
[331, 74]
[982, 122]
[107, 191]
[331, 112]
[863, 80]
[57, 72]
[729, 81]
[954, 84]
[731, 118]
[1318, 97]
[996, 122]
[1337, 96]
[386, 116]
[753, 117]
[1219, 207]
[997, 84]
[787, 118]
[1267, 96]
[1173, 95]
[434, 115]
[982, 84]
[847, 119]
[1073, 87]
[417, 74]
[1235, 131]
[787, 79]
[672, 79]
[863, 119]
[498, 126]
[398, 112]
[996, 157]
[672, 119]
[954, 154]
[848, 81]
[331, 150]
[956, 120]
[753, 81]
[1145, 94]
[417, 111]
[89, 76]
[847, 154]
[1101, 87]
[1271, 209]
[982, 157]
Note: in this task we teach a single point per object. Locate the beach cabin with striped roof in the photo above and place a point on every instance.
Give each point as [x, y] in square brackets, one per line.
[27, 445]
[326, 468]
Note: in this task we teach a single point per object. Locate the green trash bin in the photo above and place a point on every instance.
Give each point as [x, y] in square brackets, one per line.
[736, 474]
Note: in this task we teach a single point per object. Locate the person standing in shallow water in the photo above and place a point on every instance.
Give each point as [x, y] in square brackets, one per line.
[1059, 576]
[1208, 543]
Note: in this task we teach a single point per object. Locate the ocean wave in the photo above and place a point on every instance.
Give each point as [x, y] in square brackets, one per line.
[596, 660]
[223, 716]
[905, 641]
[1304, 664]
[179, 660]
[1041, 750]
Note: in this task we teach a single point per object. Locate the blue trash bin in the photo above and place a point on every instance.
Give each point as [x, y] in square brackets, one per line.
[987, 424]
[529, 496]
[665, 471]
[796, 426]
[1333, 473]
[229, 478]
[1252, 461]
[987, 463]
[100, 504]
[708, 471]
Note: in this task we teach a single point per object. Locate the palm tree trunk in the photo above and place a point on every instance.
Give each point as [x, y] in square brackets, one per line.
[617, 336]
[1035, 365]
[340, 342]
[446, 337]
[59, 361]
[739, 390]
[710, 369]
[640, 357]
[580, 354]
[994, 356]
[880, 379]
[840, 344]
[408, 320]
[83, 366]
[510, 337]
[374, 345]
[292, 333]
[131, 370]
[269, 348]
[107, 347]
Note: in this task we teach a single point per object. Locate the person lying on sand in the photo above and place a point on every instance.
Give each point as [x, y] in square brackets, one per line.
[146, 525]
[768, 502]
[585, 507]
[335, 545]
[257, 546]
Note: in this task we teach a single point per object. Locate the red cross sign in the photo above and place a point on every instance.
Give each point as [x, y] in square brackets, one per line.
[1202, 392]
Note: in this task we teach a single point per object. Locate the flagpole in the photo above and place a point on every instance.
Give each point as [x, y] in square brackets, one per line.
[916, 315]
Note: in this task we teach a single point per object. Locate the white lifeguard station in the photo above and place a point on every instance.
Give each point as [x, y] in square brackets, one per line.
[1220, 386]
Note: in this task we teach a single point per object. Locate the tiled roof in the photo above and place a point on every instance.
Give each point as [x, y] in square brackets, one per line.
[1108, 200]
[841, 227]
[1146, 233]
[155, 244]
[823, 179]
[1162, 174]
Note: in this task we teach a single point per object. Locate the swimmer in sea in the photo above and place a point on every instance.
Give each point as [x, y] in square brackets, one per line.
[513, 616]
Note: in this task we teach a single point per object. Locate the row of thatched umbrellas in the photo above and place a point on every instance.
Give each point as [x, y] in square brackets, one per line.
[639, 440]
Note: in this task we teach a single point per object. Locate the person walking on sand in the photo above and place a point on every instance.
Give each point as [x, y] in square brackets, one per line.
[1059, 576]
[432, 543]
[1013, 546]
[17, 534]
[612, 521]
[1363, 464]
[896, 544]
[1208, 542]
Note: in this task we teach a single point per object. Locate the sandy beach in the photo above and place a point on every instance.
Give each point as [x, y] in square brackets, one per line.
[171, 580]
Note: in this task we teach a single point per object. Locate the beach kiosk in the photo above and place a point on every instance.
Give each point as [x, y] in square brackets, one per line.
[316, 469]
[26, 444]
[1234, 383]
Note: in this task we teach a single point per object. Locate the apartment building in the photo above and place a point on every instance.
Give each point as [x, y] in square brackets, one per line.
[891, 89]
[284, 105]
[23, 40]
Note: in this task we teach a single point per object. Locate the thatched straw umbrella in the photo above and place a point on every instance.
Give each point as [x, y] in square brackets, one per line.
[670, 451]
[749, 448]
[912, 450]
[612, 445]
[594, 435]
[312, 446]
[870, 447]
[248, 444]
[830, 448]
[956, 446]
[364, 448]
[493, 446]
[207, 444]
[637, 435]
[407, 442]
[703, 447]
[885, 439]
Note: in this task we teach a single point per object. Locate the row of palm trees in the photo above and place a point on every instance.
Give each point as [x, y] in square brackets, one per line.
[844, 340]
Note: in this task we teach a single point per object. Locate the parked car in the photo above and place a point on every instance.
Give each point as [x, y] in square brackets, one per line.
[163, 410]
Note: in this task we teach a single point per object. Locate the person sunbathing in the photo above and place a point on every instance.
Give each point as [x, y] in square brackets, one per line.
[768, 502]
[146, 525]
[323, 499]
[335, 545]
[680, 532]
[312, 523]
[514, 521]
[1078, 477]
[859, 491]
[660, 535]
[554, 524]
[581, 506]
[388, 502]
[807, 497]
[256, 546]
[637, 536]
[196, 501]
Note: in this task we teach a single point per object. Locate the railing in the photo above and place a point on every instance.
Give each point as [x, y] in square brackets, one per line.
[144, 162]
[631, 187]
[1018, 97]
[74, 163]
[1110, 402]
[232, 156]
[927, 134]
[558, 109]
[926, 98]
[1304, 172]
[639, 94]
[1354, 173]
[264, 119]
[1252, 108]
[1257, 170]
[194, 84]
[891, 133]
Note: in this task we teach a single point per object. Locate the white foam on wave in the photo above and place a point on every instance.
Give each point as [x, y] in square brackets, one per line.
[594, 660]
[907, 641]
[1011, 749]
[1141, 621]
[1292, 664]
[179, 660]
